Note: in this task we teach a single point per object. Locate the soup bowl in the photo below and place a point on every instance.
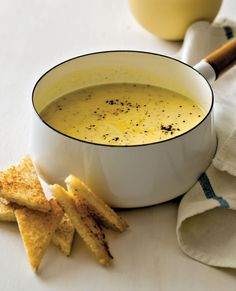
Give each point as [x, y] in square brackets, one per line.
[127, 175]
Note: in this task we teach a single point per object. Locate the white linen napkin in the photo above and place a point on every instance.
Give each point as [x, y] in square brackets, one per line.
[206, 224]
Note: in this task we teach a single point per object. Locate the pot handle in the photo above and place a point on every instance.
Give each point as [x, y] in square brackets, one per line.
[217, 62]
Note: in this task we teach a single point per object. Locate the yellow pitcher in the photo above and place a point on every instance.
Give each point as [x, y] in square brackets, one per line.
[169, 19]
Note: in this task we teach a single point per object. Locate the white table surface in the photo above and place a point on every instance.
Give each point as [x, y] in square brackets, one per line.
[34, 36]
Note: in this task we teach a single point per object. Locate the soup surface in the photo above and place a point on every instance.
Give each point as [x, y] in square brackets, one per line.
[123, 114]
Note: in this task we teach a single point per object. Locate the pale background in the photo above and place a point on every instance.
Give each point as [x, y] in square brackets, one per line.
[34, 36]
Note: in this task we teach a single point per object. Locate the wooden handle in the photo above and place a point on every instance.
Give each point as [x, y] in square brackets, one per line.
[223, 58]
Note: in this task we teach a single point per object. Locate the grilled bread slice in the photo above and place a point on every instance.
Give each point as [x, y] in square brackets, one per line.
[6, 211]
[97, 206]
[20, 184]
[84, 224]
[64, 235]
[36, 229]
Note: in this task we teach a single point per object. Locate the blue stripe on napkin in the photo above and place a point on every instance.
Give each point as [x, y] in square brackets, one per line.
[229, 32]
[210, 193]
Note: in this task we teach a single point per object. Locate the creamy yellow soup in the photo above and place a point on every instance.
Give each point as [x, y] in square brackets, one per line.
[123, 114]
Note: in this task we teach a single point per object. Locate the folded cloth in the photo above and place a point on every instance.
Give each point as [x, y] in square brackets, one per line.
[206, 224]
[225, 159]
[206, 227]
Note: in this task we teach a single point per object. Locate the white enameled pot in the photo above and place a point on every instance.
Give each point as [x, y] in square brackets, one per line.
[126, 176]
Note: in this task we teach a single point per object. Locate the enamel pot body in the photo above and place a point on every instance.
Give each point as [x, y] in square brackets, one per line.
[124, 176]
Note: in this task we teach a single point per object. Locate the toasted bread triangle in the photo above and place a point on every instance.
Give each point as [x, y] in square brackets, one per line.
[64, 235]
[20, 184]
[6, 211]
[84, 224]
[36, 229]
[104, 212]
